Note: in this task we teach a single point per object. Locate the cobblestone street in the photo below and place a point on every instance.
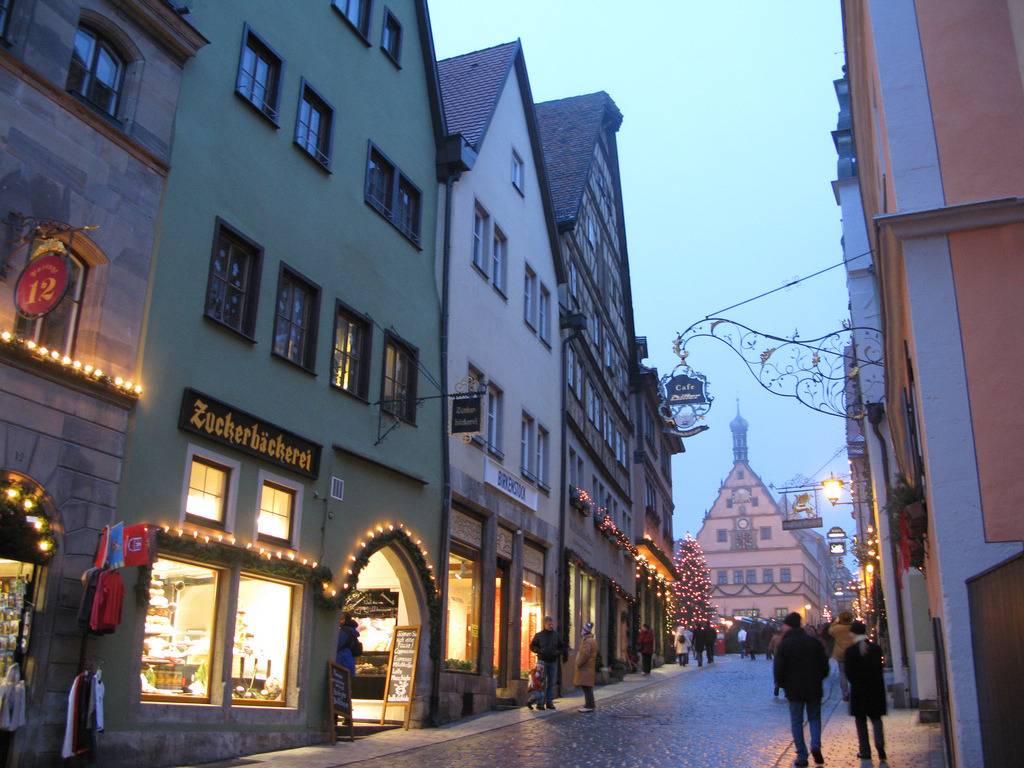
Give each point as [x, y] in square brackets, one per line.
[723, 714]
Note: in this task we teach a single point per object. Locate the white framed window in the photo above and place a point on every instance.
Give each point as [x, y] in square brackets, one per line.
[517, 171]
[543, 313]
[526, 447]
[494, 418]
[540, 463]
[280, 504]
[530, 297]
[499, 257]
[574, 476]
[573, 280]
[480, 222]
[209, 489]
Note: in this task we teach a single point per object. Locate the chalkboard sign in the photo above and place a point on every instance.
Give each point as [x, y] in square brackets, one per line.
[405, 645]
[339, 688]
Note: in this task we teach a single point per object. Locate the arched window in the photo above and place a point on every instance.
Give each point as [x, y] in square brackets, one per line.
[56, 329]
[97, 71]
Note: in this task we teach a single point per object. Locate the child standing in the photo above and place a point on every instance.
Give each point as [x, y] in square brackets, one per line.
[538, 682]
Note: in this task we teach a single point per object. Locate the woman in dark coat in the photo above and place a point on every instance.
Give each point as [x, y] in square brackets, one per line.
[863, 662]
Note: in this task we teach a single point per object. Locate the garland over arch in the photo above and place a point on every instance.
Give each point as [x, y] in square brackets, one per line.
[378, 541]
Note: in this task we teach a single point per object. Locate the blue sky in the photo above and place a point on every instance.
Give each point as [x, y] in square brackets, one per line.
[726, 161]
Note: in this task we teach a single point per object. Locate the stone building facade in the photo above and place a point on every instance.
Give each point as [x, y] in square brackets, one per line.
[88, 93]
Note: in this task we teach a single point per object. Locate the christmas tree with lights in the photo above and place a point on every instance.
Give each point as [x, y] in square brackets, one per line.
[693, 588]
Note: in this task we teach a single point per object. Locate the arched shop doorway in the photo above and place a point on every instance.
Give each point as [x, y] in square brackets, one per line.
[389, 592]
[28, 541]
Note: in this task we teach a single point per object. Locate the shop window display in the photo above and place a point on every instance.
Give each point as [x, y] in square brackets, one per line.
[533, 618]
[260, 655]
[463, 609]
[15, 612]
[179, 630]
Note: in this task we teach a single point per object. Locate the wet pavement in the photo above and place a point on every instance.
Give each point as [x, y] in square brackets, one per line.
[723, 714]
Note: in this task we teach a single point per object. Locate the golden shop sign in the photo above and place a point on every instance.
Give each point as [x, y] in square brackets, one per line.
[224, 424]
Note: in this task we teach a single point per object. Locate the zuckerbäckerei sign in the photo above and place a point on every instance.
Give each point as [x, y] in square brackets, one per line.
[222, 423]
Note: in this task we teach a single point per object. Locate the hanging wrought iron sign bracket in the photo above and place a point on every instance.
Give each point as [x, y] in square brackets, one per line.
[814, 371]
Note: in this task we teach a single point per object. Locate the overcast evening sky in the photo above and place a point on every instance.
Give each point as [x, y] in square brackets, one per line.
[727, 161]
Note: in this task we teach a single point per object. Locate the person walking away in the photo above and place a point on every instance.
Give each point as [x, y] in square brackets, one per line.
[842, 638]
[549, 647]
[742, 637]
[348, 637]
[645, 642]
[800, 666]
[586, 667]
[538, 685]
[863, 668]
[700, 640]
[683, 641]
[712, 640]
[773, 646]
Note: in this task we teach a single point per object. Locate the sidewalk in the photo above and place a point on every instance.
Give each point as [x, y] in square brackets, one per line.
[910, 745]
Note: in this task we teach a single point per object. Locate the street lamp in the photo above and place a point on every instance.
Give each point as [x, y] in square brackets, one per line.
[833, 487]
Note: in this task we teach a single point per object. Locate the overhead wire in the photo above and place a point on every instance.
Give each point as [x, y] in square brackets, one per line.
[790, 284]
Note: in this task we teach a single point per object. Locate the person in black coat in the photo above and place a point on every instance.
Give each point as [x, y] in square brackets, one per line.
[712, 640]
[800, 665]
[549, 647]
[863, 660]
[700, 642]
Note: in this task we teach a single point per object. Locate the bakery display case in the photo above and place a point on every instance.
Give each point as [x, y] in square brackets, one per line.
[178, 631]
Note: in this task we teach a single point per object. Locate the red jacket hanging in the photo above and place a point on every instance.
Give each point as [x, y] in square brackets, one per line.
[106, 607]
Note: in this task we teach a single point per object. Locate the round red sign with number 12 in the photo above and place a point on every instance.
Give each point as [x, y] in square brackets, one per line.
[42, 285]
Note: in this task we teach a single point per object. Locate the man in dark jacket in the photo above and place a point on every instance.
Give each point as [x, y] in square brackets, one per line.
[700, 641]
[549, 647]
[800, 666]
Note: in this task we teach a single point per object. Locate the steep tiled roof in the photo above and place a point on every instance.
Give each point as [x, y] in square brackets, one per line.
[569, 131]
[470, 86]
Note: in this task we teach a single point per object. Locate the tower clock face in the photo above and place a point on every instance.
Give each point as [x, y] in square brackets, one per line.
[743, 523]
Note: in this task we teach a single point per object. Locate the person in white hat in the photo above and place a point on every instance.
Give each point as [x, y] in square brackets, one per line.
[586, 667]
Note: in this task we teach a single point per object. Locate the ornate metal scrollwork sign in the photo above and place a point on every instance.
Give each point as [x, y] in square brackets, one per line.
[814, 371]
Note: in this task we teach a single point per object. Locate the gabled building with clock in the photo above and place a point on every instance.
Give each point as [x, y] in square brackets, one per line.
[758, 569]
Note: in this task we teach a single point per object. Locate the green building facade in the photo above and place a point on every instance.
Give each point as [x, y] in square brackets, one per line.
[285, 452]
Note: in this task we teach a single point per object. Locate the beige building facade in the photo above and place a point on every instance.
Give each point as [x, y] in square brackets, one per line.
[759, 569]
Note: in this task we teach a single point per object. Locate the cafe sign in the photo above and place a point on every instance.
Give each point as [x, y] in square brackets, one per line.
[684, 398]
[227, 425]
